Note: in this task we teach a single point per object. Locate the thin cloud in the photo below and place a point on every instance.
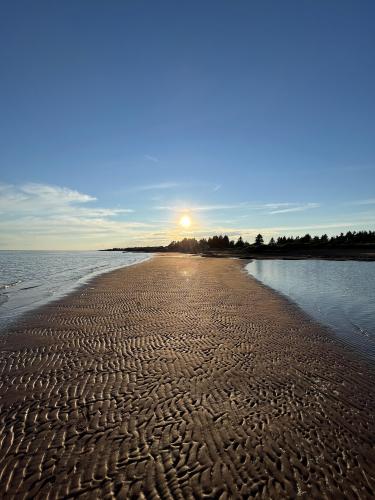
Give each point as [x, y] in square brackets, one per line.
[274, 206]
[52, 216]
[295, 208]
[159, 185]
[151, 158]
[47, 192]
[270, 208]
[199, 208]
[32, 198]
[174, 184]
[369, 201]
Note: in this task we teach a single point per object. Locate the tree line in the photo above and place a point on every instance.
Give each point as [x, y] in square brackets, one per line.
[220, 242]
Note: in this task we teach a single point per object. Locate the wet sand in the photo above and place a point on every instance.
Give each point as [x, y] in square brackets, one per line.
[182, 377]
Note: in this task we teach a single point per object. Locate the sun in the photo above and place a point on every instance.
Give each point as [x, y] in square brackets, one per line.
[185, 221]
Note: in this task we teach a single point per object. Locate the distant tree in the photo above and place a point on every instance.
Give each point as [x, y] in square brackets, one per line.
[240, 243]
[226, 241]
[339, 239]
[203, 245]
[219, 242]
[259, 240]
[306, 239]
[187, 245]
[272, 242]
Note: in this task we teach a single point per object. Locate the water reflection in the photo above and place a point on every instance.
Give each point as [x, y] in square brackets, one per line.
[340, 294]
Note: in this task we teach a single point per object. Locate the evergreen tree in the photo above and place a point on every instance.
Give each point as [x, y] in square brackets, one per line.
[226, 241]
[259, 240]
[306, 239]
[220, 242]
[240, 243]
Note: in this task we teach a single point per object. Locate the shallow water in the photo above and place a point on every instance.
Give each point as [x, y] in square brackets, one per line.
[30, 279]
[339, 294]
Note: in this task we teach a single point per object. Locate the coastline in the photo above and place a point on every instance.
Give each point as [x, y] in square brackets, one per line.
[365, 252]
[284, 256]
[333, 331]
[47, 294]
[182, 375]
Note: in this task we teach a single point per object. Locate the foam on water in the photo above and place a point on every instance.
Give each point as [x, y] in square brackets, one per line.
[30, 279]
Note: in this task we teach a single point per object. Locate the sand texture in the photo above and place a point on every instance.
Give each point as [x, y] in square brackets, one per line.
[182, 377]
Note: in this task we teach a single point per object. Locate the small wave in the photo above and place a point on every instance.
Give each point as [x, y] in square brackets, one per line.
[361, 330]
[46, 278]
[9, 285]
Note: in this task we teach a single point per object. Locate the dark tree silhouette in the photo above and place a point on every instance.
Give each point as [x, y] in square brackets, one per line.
[305, 239]
[283, 243]
[240, 243]
[191, 245]
[259, 240]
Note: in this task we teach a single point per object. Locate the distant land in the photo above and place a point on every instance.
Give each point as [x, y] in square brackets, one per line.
[350, 246]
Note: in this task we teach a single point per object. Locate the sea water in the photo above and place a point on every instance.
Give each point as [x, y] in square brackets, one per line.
[339, 294]
[29, 279]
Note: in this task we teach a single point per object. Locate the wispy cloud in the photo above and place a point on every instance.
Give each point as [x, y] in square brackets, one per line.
[44, 216]
[151, 158]
[157, 186]
[206, 186]
[273, 206]
[369, 201]
[199, 208]
[32, 198]
[22, 197]
[293, 207]
[269, 208]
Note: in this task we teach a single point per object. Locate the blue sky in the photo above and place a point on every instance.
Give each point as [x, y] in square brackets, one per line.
[117, 117]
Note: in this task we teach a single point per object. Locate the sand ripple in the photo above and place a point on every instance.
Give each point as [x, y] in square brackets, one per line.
[181, 378]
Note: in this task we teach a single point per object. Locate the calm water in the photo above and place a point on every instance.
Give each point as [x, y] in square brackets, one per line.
[30, 279]
[339, 294]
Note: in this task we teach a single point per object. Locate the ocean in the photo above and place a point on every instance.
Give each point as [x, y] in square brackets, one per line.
[29, 279]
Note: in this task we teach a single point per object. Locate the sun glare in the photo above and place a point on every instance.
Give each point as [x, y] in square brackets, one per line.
[185, 221]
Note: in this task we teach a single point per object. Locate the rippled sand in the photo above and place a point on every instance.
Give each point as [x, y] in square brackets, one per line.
[182, 378]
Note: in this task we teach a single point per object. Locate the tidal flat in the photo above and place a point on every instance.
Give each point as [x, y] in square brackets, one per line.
[182, 377]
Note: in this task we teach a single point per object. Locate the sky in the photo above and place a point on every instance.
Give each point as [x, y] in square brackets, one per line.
[119, 117]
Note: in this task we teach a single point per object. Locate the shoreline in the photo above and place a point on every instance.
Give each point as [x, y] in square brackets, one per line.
[6, 322]
[327, 330]
[233, 255]
[21, 321]
[280, 256]
[183, 375]
[332, 332]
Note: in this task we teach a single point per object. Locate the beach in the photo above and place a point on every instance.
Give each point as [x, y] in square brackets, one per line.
[182, 377]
